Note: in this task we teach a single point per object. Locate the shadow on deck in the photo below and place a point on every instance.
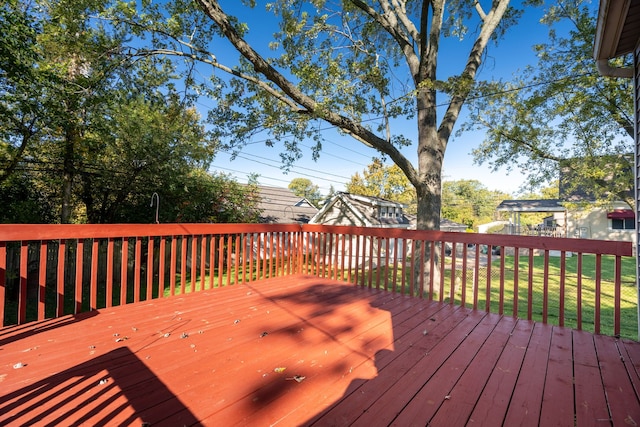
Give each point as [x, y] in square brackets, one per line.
[301, 350]
[116, 388]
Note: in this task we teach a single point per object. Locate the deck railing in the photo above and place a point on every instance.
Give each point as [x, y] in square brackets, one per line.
[53, 270]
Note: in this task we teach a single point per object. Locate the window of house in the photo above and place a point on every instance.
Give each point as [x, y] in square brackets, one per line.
[623, 224]
[383, 212]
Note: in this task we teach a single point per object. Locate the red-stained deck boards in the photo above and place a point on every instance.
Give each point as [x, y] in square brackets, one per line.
[621, 397]
[437, 390]
[351, 356]
[557, 403]
[590, 399]
[468, 389]
[524, 409]
[493, 404]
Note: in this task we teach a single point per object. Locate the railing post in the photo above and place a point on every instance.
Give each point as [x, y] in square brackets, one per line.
[3, 278]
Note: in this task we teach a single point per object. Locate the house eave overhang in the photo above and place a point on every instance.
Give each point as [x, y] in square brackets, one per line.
[616, 35]
[611, 19]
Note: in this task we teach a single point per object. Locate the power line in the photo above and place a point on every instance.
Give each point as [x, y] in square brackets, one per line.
[299, 173]
[260, 177]
[296, 167]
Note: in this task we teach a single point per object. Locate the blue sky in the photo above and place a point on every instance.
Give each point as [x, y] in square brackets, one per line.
[343, 156]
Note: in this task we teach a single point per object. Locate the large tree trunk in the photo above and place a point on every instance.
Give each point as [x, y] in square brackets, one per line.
[72, 136]
[429, 187]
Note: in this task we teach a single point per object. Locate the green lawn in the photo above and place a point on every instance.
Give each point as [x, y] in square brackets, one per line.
[629, 322]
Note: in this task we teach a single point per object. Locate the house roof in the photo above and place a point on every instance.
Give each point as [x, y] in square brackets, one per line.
[539, 205]
[618, 28]
[281, 205]
[365, 209]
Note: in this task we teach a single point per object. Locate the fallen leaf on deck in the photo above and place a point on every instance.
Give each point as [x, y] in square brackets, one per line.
[279, 370]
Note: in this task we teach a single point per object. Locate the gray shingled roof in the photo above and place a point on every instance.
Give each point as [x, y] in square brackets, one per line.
[282, 206]
[540, 205]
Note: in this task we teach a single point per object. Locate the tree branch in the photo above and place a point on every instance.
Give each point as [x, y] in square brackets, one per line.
[359, 132]
[388, 21]
[480, 11]
[490, 23]
[523, 143]
[263, 85]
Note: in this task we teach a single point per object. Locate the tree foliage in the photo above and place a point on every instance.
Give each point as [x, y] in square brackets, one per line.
[88, 132]
[358, 66]
[387, 182]
[560, 119]
[470, 202]
[303, 187]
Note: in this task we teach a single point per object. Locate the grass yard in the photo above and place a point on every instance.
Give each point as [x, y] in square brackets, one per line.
[491, 278]
[383, 277]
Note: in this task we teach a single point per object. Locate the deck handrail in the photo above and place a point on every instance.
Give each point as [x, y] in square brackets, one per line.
[568, 281]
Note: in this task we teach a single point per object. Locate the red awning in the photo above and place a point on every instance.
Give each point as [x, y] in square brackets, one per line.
[621, 214]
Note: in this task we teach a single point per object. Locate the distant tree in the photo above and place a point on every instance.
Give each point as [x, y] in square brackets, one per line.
[547, 192]
[332, 192]
[90, 133]
[303, 187]
[387, 182]
[23, 201]
[561, 113]
[216, 198]
[470, 202]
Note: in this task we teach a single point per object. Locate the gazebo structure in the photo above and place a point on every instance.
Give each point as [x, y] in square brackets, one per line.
[518, 207]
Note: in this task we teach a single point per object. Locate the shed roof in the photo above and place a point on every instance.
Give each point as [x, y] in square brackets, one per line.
[539, 205]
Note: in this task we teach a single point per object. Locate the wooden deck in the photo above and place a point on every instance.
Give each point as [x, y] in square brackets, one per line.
[302, 350]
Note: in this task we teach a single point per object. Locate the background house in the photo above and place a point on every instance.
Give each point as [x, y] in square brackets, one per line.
[282, 206]
[362, 211]
[614, 222]
[580, 211]
[366, 211]
[553, 226]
